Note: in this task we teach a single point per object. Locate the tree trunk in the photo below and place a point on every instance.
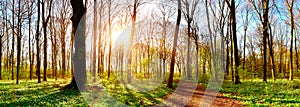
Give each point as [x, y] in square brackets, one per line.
[129, 60]
[13, 41]
[79, 41]
[265, 35]
[291, 76]
[94, 39]
[270, 42]
[234, 41]
[296, 52]
[38, 65]
[19, 38]
[170, 81]
[29, 42]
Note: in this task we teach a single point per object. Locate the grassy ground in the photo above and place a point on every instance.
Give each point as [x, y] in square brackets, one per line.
[279, 93]
[30, 93]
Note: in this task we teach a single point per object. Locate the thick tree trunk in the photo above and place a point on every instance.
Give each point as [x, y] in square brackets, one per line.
[79, 41]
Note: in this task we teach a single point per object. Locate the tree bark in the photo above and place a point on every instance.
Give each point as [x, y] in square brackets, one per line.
[265, 35]
[79, 41]
[170, 81]
[37, 37]
[234, 41]
[290, 7]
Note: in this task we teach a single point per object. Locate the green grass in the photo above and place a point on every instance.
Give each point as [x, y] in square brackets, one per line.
[30, 93]
[114, 91]
[279, 93]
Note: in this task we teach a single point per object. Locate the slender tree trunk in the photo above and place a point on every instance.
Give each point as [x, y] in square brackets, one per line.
[270, 42]
[296, 52]
[135, 6]
[227, 55]
[280, 55]
[245, 38]
[38, 65]
[45, 23]
[265, 35]
[1, 55]
[13, 41]
[7, 38]
[170, 81]
[234, 41]
[291, 76]
[110, 40]
[188, 60]
[19, 38]
[29, 42]
[94, 38]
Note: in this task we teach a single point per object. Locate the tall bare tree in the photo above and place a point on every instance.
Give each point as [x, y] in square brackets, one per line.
[290, 5]
[236, 62]
[170, 80]
[264, 19]
[190, 8]
[37, 37]
[45, 20]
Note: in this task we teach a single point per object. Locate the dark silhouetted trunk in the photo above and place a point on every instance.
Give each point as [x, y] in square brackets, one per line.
[170, 81]
[79, 41]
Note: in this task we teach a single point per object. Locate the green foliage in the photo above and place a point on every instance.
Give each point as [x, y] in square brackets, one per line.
[257, 93]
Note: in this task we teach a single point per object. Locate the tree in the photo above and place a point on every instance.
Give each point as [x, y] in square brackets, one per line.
[64, 15]
[290, 5]
[19, 38]
[37, 37]
[2, 33]
[79, 70]
[170, 81]
[190, 8]
[136, 4]
[13, 41]
[264, 19]
[94, 38]
[45, 21]
[234, 40]
[31, 57]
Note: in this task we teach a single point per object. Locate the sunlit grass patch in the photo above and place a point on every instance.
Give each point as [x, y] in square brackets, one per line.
[115, 92]
[257, 93]
[30, 93]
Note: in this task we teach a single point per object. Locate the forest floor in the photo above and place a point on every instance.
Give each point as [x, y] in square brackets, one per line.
[250, 93]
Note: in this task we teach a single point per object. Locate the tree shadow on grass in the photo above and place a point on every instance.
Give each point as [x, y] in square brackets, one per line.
[60, 97]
